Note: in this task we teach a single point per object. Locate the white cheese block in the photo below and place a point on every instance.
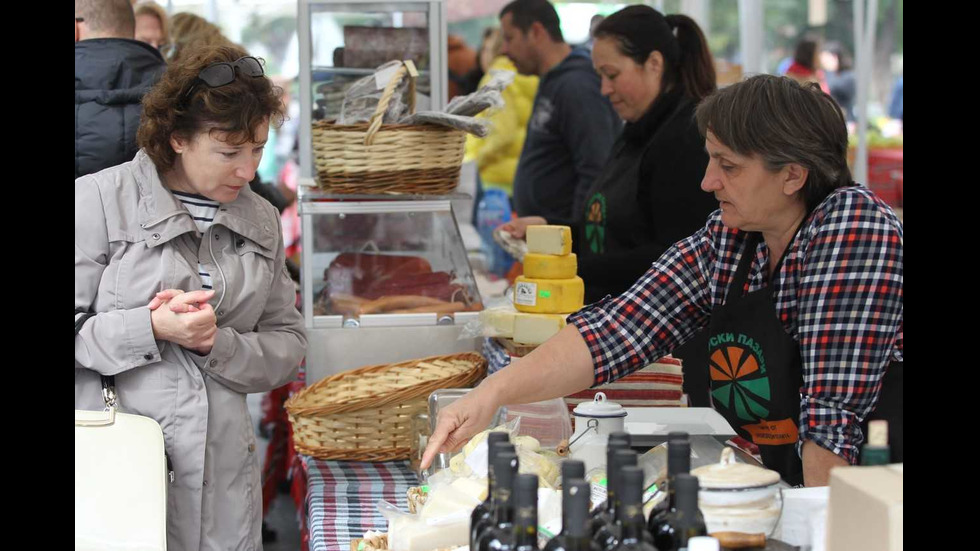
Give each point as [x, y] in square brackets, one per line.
[549, 240]
[476, 489]
[498, 322]
[413, 534]
[537, 328]
[448, 502]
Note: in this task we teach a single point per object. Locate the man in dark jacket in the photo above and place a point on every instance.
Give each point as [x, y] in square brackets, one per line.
[112, 72]
[572, 127]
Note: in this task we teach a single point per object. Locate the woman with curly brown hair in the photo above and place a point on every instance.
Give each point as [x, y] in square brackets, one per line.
[181, 295]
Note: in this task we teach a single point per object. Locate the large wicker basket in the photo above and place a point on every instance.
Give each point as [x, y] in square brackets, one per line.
[365, 414]
[376, 158]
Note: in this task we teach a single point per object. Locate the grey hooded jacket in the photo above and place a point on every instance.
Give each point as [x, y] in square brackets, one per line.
[133, 238]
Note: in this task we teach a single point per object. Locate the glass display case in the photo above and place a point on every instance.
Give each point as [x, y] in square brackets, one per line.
[384, 263]
[384, 278]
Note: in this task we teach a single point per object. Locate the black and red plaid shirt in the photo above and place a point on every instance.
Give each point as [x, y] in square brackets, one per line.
[838, 293]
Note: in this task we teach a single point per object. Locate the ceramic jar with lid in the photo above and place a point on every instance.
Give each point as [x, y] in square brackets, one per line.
[594, 422]
[738, 497]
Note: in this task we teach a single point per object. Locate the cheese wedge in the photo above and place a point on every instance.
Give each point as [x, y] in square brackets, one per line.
[549, 296]
[498, 322]
[523, 328]
[537, 328]
[409, 533]
[549, 240]
[550, 266]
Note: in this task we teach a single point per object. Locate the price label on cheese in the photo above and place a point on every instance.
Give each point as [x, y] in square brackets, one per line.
[526, 293]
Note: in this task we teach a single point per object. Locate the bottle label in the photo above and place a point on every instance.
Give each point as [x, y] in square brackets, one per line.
[550, 529]
[650, 492]
[526, 294]
[599, 493]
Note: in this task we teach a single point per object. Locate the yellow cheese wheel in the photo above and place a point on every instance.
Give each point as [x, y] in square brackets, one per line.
[550, 266]
[549, 239]
[549, 296]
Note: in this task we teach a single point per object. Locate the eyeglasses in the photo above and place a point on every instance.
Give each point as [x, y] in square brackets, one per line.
[223, 73]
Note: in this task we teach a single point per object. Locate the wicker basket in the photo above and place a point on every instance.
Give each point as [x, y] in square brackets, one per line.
[366, 414]
[375, 158]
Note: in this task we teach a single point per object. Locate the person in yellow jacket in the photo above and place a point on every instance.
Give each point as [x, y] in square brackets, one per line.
[496, 155]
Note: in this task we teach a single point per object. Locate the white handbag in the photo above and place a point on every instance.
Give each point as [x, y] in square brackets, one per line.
[121, 477]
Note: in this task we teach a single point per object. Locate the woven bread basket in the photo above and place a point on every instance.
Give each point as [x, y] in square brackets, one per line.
[365, 414]
[376, 158]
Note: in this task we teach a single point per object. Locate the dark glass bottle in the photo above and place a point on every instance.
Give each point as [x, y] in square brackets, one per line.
[678, 462]
[603, 513]
[572, 469]
[525, 531]
[631, 524]
[606, 535]
[686, 521]
[496, 442]
[521, 532]
[574, 535]
[502, 511]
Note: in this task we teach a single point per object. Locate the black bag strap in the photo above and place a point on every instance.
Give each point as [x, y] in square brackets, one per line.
[80, 321]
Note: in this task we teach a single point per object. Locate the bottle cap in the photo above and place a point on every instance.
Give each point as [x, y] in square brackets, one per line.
[572, 469]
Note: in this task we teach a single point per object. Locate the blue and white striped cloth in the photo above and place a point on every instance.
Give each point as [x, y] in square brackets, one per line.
[496, 355]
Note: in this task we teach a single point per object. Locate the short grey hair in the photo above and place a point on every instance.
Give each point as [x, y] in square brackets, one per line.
[784, 123]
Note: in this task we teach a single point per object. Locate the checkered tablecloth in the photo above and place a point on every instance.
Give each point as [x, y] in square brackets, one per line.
[342, 499]
[497, 357]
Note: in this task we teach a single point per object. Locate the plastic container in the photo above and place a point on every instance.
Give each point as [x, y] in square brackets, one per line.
[493, 210]
[546, 421]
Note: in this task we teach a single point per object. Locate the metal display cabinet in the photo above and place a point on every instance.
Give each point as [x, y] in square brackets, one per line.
[412, 243]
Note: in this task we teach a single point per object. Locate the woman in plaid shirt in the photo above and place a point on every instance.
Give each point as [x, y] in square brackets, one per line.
[798, 276]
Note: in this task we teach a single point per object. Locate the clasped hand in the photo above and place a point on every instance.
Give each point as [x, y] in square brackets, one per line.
[184, 318]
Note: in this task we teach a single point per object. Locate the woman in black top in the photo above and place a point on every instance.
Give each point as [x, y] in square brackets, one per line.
[654, 70]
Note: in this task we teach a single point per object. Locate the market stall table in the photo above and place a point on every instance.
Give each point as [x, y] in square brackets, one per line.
[342, 498]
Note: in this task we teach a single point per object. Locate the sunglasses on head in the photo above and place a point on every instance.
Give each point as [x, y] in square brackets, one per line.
[223, 73]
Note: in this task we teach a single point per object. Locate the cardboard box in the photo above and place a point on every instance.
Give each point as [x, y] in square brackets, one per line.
[866, 509]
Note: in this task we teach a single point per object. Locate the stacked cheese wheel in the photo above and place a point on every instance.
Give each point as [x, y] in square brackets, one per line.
[549, 290]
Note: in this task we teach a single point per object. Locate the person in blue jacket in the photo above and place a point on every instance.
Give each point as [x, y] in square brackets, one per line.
[572, 127]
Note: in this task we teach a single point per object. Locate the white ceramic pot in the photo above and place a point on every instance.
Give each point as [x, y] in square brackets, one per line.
[741, 519]
[594, 422]
[738, 497]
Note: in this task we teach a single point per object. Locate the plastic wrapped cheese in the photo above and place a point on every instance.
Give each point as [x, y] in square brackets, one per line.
[528, 329]
[537, 328]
